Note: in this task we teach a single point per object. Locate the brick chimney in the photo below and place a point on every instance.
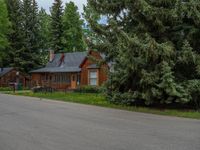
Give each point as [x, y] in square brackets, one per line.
[51, 55]
[62, 58]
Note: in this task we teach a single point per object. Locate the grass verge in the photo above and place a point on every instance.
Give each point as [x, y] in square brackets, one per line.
[99, 100]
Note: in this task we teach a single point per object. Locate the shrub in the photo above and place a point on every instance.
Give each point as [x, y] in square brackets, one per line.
[88, 89]
[6, 89]
[43, 90]
[193, 87]
[122, 98]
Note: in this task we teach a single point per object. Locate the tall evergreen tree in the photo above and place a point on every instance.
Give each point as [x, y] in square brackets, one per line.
[4, 30]
[44, 38]
[56, 26]
[73, 29]
[31, 35]
[36, 27]
[16, 36]
[153, 45]
[89, 34]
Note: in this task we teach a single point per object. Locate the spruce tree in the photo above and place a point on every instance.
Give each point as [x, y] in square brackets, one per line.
[4, 30]
[35, 27]
[56, 26]
[89, 34]
[44, 35]
[153, 46]
[16, 36]
[73, 29]
[31, 35]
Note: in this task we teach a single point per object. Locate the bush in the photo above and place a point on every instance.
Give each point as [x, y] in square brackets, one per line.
[193, 87]
[88, 89]
[121, 98]
[6, 89]
[43, 90]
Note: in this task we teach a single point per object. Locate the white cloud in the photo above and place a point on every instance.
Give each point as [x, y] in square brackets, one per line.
[46, 4]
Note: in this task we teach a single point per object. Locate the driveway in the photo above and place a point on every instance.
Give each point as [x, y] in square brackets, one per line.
[34, 124]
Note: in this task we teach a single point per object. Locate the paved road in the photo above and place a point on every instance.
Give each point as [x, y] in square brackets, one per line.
[33, 124]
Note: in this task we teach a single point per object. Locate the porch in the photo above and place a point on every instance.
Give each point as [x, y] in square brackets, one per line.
[59, 81]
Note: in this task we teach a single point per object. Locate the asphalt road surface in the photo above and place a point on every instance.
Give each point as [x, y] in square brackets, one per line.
[34, 124]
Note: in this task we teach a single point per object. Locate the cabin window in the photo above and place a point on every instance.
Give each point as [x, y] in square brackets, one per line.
[62, 78]
[93, 78]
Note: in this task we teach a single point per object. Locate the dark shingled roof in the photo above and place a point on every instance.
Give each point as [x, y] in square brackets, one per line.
[71, 63]
[4, 71]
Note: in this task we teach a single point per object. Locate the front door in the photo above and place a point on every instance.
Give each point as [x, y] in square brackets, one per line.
[73, 81]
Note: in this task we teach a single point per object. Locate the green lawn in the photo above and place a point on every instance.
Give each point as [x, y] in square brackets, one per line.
[99, 100]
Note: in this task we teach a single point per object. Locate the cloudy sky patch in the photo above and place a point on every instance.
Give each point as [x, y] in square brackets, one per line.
[46, 4]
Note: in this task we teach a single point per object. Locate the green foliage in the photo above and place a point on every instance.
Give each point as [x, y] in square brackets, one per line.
[24, 45]
[127, 98]
[153, 46]
[88, 89]
[44, 35]
[93, 17]
[33, 32]
[4, 30]
[6, 89]
[16, 36]
[30, 50]
[168, 90]
[56, 26]
[72, 26]
[193, 88]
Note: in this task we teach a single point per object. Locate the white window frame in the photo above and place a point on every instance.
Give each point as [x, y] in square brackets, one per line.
[93, 78]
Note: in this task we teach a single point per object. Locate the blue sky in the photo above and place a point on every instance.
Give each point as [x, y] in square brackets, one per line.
[46, 4]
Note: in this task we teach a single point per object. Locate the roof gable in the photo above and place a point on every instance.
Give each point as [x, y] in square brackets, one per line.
[4, 71]
[94, 54]
[70, 60]
[70, 63]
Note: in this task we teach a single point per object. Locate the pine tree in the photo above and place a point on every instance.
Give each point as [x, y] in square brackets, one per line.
[36, 27]
[72, 27]
[31, 35]
[4, 30]
[144, 39]
[89, 34]
[16, 36]
[44, 38]
[56, 26]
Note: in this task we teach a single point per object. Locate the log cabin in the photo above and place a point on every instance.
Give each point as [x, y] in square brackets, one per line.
[10, 76]
[70, 71]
